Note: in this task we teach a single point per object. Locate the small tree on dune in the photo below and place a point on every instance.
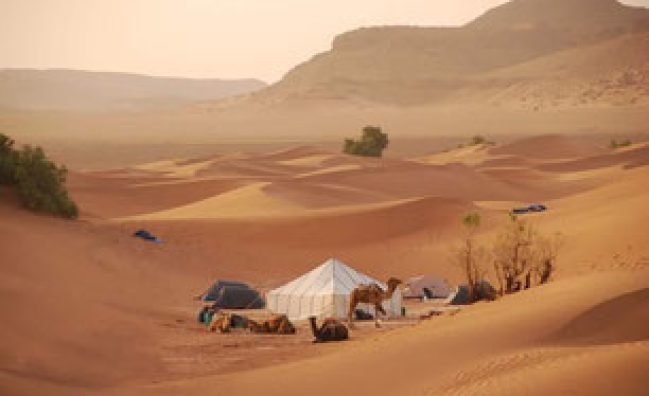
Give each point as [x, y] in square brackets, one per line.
[523, 256]
[371, 144]
[478, 140]
[547, 251]
[470, 256]
[8, 159]
[623, 143]
[512, 254]
[39, 182]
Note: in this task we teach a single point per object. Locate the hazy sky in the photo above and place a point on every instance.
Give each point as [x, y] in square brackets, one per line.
[202, 38]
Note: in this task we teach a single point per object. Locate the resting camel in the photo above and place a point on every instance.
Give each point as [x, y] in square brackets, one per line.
[221, 322]
[331, 330]
[371, 294]
[224, 321]
[276, 324]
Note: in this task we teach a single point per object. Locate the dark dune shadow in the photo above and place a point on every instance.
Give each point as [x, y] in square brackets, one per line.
[619, 320]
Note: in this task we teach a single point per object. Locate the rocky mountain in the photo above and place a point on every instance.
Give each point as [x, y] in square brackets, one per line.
[527, 67]
[514, 52]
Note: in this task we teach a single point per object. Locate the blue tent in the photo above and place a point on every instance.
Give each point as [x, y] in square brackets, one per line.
[233, 297]
[147, 236]
[213, 292]
[531, 208]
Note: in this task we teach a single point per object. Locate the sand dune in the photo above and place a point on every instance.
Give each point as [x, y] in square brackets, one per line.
[611, 337]
[246, 168]
[560, 371]
[353, 225]
[631, 157]
[248, 202]
[460, 340]
[109, 196]
[551, 147]
[123, 308]
[454, 180]
[255, 188]
[622, 319]
[311, 161]
[604, 226]
[73, 297]
[176, 168]
[298, 153]
[295, 180]
[469, 155]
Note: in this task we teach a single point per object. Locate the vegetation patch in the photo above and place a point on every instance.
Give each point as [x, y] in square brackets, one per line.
[371, 144]
[618, 144]
[39, 182]
[521, 256]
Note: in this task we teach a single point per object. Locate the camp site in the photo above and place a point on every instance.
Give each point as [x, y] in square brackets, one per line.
[341, 197]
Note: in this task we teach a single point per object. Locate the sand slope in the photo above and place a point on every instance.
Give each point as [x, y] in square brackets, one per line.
[399, 362]
[92, 310]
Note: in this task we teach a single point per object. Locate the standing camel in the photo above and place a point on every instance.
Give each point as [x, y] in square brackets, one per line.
[371, 294]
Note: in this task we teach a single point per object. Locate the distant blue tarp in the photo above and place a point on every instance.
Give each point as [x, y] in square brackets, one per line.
[147, 236]
[530, 209]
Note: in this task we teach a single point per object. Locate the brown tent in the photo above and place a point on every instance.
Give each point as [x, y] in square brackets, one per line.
[427, 286]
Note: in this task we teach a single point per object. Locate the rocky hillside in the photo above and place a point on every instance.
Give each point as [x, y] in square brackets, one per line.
[518, 49]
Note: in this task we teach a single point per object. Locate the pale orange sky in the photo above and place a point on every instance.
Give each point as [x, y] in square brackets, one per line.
[202, 38]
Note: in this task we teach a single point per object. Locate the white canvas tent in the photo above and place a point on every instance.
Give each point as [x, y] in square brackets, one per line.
[324, 292]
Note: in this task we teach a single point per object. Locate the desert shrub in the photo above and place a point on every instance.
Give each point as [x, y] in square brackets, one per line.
[8, 158]
[371, 144]
[478, 140]
[523, 256]
[41, 184]
[471, 257]
[624, 143]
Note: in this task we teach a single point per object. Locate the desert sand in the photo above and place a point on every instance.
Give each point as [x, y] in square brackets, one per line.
[92, 310]
[254, 187]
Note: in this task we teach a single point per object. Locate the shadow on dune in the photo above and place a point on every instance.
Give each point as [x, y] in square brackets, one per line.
[619, 320]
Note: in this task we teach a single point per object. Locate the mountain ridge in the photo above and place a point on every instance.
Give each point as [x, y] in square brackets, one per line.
[379, 63]
[70, 89]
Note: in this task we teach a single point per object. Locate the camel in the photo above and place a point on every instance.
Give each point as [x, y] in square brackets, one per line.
[331, 330]
[276, 324]
[225, 321]
[371, 294]
[221, 322]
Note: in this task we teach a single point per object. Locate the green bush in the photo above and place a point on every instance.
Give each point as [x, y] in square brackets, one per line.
[624, 143]
[8, 159]
[371, 144]
[478, 140]
[39, 182]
